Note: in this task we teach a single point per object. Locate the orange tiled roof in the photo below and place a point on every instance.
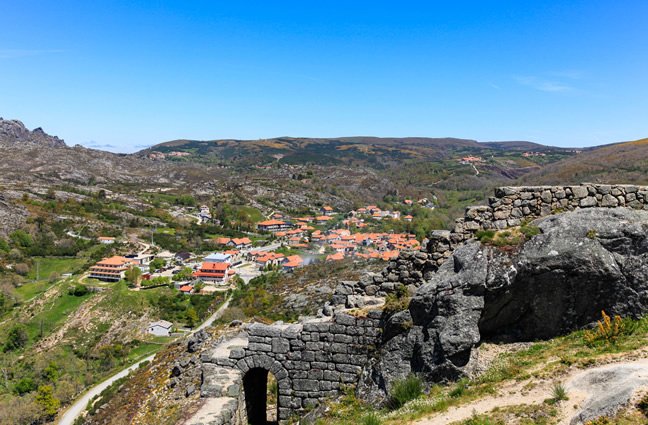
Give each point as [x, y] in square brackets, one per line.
[271, 223]
[214, 267]
[114, 261]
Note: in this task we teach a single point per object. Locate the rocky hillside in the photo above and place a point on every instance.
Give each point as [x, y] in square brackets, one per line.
[13, 133]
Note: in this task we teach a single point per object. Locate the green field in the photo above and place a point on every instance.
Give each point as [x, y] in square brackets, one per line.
[45, 266]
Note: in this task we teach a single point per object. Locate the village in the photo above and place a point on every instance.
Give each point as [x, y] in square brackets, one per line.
[281, 244]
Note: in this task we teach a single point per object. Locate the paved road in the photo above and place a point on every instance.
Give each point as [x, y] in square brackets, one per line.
[217, 315]
[80, 405]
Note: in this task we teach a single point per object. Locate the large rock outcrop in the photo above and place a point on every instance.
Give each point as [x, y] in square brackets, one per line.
[14, 133]
[583, 262]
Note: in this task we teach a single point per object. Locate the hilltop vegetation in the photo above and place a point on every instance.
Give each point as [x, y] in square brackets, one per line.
[618, 163]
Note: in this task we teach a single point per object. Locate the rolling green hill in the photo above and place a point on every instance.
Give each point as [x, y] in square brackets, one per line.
[371, 151]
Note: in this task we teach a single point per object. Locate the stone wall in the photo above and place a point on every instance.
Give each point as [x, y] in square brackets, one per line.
[512, 206]
[310, 361]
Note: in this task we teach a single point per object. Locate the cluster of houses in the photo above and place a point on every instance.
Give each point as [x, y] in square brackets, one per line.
[279, 223]
[467, 160]
[532, 154]
[357, 217]
[266, 260]
[385, 246]
[161, 155]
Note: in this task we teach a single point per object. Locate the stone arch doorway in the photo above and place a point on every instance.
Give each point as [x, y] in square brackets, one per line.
[256, 370]
[257, 393]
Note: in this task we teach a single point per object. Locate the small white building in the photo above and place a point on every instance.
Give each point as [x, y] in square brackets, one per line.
[160, 328]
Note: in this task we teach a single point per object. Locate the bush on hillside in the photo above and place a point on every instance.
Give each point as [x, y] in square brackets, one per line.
[405, 390]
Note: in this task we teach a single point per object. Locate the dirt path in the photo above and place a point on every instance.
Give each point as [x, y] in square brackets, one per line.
[592, 392]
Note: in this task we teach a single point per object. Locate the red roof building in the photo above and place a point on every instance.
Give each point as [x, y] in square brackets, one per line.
[214, 272]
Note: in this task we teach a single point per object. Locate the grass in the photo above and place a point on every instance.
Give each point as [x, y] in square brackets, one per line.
[537, 414]
[513, 236]
[46, 267]
[144, 349]
[406, 390]
[49, 265]
[371, 419]
[54, 313]
[558, 394]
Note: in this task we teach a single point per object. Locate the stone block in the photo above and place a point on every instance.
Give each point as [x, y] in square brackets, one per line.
[280, 346]
[305, 385]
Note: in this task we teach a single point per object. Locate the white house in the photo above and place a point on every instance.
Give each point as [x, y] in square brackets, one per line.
[160, 328]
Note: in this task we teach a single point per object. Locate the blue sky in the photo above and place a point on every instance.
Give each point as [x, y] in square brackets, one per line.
[126, 74]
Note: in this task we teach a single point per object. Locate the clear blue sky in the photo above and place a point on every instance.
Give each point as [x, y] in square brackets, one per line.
[125, 74]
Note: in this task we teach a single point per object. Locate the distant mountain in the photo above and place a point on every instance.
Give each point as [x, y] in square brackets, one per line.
[35, 156]
[625, 162]
[371, 151]
[521, 146]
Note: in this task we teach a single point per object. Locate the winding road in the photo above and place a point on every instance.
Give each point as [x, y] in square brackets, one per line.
[80, 405]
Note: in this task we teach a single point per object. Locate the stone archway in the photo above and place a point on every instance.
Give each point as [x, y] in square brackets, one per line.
[255, 371]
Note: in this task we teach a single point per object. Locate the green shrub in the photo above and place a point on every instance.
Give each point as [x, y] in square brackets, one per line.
[24, 386]
[371, 419]
[394, 303]
[405, 390]
[78, 290]
[16, 338]
[480, 420]
[591, 234]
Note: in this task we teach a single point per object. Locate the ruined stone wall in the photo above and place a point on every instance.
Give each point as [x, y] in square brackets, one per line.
[511, 205]
[311, 360]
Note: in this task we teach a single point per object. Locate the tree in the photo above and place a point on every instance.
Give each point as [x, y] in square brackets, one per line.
[51, 373]
[24, 386]
[156, 264]
[78, 290]
[133, 275]
[16, 338]
[21, 239]
[46, 400]
[192, 317]
[184, 274]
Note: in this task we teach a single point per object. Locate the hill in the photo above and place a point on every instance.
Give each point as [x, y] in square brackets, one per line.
[620, 162]
[370, 151]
